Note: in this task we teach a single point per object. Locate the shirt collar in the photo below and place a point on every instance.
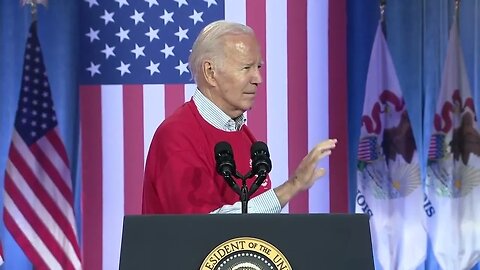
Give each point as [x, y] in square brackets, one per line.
[214, 115]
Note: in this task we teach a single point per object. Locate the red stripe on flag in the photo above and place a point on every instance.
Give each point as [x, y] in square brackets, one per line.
[174, 98]
[33, 219]
[91, 136]
[57, 143]
[337, 97]
[257, 117]
[297, 93]
[133, 148]
[23, 241]
[51, 171]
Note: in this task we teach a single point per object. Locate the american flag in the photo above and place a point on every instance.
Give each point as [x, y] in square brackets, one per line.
[134, 74]
[38, 187]
[367, 149]
[436, 148]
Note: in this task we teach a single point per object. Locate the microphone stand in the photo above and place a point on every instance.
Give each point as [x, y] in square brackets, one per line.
[244, 194]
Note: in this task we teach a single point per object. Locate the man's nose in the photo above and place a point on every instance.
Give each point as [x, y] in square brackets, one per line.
[257, 77]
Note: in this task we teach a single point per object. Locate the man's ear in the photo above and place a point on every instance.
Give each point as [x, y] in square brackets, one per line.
[209, 72]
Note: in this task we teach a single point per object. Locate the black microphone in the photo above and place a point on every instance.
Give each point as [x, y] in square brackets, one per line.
[261, 164]
[226, 163]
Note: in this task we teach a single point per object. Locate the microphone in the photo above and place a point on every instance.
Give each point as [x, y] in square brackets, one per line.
[225, 163]
[261, 164]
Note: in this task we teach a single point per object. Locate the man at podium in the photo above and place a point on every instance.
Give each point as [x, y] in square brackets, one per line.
[180, 173]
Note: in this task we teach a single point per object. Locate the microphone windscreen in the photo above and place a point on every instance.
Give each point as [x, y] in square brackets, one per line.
[259, 146]
[222, 147]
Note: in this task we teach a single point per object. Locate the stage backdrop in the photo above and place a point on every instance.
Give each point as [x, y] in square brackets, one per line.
[118, 68]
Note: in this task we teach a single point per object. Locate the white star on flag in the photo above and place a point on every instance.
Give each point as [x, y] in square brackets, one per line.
[196, 16]
[153, 67]
[167, 17]
[123, 68]
[94, 69]
[137, 17]
[211, 2]
[151, 3]
[152, 34]
[181, 2]
[182, 67]
[91, 3]
[108, 17]
[138, 51]
[123, 34]
[108, 51]
[121, 3]
[93, 34]
[168, 50]
[181, 34]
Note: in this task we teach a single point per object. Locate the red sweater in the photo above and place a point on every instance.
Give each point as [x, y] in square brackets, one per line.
[180, 173]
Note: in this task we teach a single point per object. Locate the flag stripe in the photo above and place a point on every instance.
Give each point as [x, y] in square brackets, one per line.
[27, 163]
[153, 113]
[257, 117]
[41, 225]
[174, 97]
[51, 145]
[318, 98]
[337, 81]
[38, 199]
[56, 142]
[113, 173]
[133, 160]
[46, 163]
[276, 57]
[92, 163]
[39, 254]
[297, 93]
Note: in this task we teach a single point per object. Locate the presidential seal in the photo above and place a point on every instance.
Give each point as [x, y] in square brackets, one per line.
[245, 253]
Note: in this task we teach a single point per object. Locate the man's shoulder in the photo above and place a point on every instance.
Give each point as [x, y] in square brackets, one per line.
[182, 121]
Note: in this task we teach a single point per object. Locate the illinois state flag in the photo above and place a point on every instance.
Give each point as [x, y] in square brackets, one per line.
[388, 175]
[453, 171]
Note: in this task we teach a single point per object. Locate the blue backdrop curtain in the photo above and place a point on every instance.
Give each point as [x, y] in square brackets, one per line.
[417, 35]
[58, 34]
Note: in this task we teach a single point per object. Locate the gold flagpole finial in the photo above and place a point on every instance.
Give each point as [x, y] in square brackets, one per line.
[33, 6]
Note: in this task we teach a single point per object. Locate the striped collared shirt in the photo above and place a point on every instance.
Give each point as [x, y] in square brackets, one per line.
[266, 202]
[215, 116]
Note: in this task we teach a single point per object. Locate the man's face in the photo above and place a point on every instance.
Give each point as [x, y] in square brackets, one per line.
[237, 79]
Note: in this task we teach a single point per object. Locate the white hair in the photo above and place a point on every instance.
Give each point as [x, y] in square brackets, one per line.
[209, 44]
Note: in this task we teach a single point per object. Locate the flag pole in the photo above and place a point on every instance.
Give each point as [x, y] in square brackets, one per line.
[457, 8]
[383, 5]
[33, 6]
[33, 9]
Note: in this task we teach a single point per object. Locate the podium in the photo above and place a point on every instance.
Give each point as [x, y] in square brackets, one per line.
[246, 241]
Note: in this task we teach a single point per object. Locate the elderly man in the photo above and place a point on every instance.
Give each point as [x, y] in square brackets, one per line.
[180, 174]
